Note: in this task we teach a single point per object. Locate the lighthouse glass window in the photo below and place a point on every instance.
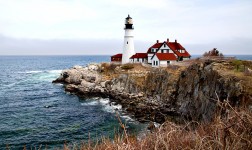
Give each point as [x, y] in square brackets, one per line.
[130, 21]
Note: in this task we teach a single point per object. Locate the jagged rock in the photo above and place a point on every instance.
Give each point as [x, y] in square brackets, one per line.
[71, 88]
[90, 78]
[93, 67]
[103, 84]
[140, 94]
[191, 93]
[77, 67]
[86, 84]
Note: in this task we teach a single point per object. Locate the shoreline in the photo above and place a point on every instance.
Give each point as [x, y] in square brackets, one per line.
[196, 97]
[176, 93]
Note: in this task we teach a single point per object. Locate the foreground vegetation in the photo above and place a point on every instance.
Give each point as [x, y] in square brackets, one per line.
[230, 129]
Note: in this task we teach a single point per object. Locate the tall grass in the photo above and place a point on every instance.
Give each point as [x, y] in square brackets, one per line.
[231, 129]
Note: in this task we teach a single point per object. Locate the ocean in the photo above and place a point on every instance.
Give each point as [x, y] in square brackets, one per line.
[36, 113]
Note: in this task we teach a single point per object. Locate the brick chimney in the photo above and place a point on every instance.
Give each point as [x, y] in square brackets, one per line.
[157, 41]
[167, 40]
[175, 40]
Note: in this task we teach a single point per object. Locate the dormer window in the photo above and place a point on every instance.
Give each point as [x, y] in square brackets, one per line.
[153, 50]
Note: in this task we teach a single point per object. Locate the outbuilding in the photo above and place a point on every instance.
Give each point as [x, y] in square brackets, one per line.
[116, 58]
[139, 58]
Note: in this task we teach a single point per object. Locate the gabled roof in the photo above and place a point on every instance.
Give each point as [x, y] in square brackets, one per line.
[117, 56]
[139, 55]
[185, 54]
[156, 45]
[175, 46]
[165, 56]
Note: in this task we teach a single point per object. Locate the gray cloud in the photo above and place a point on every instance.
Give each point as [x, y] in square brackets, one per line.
[96, 27]
[12, 46]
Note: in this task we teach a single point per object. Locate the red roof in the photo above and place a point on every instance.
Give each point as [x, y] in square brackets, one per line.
[117, 56]
[139, 55]
[185, 54]
[174, 46]
[166, 56]
[156, 45]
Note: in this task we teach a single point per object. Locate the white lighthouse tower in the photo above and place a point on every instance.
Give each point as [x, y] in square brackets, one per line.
[128, 46]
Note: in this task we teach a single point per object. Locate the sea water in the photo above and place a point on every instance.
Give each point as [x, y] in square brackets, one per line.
[36, 113]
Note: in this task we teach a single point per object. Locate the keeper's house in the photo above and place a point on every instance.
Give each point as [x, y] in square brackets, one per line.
[165, 53]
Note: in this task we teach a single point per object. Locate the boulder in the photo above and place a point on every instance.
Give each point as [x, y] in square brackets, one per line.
[77, 67]
[88, 85]
[71, 88]
[93, 67]
[90, 78]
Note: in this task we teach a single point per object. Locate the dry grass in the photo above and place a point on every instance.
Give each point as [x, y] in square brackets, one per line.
[112, 70]
[230, 130]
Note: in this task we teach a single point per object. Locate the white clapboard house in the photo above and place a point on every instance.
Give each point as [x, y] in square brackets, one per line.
[165, 53]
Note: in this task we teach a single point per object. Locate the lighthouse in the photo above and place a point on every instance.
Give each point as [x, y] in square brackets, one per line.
[128, 45]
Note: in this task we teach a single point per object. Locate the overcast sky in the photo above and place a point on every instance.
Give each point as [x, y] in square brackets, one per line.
[87, 27]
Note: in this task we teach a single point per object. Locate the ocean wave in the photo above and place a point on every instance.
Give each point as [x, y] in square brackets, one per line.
[105, 103]
[127, 118]
[110, 107]
[42, 71]
[54, 71]
[32, 72]
[92, 103]
[47, 75]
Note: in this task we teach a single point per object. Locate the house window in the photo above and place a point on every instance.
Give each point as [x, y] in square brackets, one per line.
[142, 59]
[164, 45]
[153, 50]
[137, 59]
[162, 51]
[156, 63]
[127, 42]
[168, 62]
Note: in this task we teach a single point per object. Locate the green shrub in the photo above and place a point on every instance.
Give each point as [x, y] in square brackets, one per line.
[237, 64]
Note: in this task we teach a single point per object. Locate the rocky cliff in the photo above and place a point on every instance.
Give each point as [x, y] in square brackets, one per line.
[189, 90]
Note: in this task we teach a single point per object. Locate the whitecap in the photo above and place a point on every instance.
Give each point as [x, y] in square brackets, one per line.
[92, 103]
[54, 71]
[104, 101]
[157, 124]
[127, 118]
[32, 72]
[47, 75]
[108, 107]
[117, 107]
